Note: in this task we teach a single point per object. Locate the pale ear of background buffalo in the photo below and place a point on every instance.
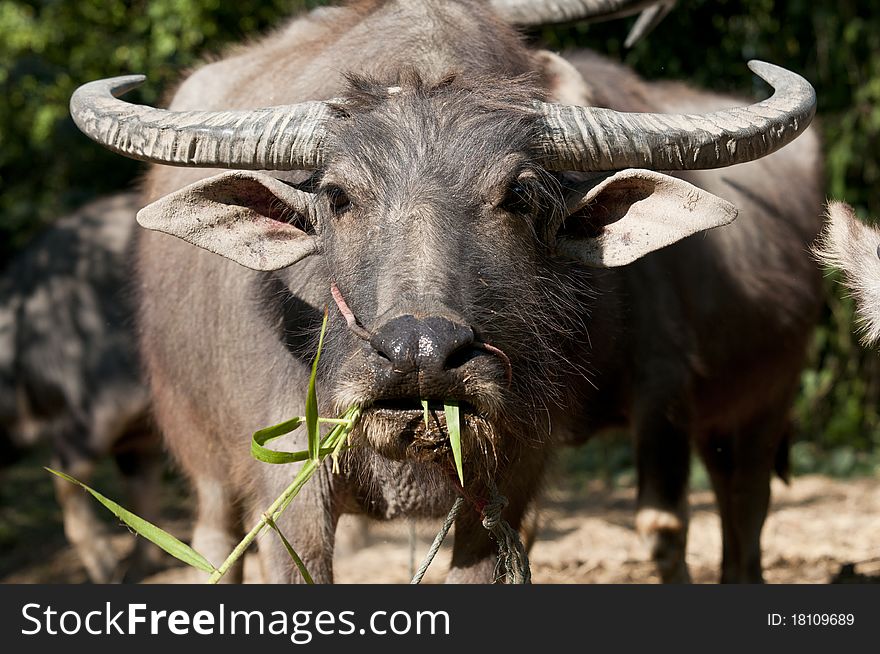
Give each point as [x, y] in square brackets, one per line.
[565, 84]
[635, 212]
[854, 247]
[253, 219]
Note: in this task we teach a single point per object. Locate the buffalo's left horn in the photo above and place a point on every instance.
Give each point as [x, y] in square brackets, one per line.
[596, 139]
[275, 138]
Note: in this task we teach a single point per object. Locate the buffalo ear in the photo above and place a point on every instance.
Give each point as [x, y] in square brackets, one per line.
[635, 212]
[253, 219]
[564, 83]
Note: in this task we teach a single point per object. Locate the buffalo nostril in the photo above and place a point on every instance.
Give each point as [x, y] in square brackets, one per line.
[445, 344]
[381, 345]
[461, 356]
[397, 340]
[382, 355]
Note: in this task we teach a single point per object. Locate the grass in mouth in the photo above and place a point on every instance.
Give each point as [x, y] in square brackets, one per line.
[453, 428]
[319, 448]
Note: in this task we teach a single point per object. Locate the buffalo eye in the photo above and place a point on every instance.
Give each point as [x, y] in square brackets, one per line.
[338, 199]
[518, 200]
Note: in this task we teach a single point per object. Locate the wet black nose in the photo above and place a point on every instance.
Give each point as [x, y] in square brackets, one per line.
[429, 347]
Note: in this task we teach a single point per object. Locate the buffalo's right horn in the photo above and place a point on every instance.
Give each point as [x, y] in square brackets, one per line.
[275, 138]
[647, 21]
[544, 12]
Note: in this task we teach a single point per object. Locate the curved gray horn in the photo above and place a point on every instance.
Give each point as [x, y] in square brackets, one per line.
[544, 12]
[275, 138]
[595, 139]
[647, 21]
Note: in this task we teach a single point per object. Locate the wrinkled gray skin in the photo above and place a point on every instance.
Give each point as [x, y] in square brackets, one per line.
[698, 344]
[69, 373]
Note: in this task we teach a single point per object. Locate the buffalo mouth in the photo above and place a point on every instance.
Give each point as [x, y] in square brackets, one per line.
[397, 429]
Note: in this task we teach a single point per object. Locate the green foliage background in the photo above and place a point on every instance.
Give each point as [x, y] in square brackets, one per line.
[48, 47]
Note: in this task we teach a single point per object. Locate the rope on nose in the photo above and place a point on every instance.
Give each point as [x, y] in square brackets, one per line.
[363, 333]
[350, 319]
[498, 352]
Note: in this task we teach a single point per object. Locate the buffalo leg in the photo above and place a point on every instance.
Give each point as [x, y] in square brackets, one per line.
[218, 521]
[308, 524]
[740, 464]
[88, 535]
[663, 463]
[473, 552]
[217, 526]
[140, 464]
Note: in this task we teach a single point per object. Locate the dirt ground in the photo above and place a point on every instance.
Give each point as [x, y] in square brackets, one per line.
[820, 530]
[817, 526]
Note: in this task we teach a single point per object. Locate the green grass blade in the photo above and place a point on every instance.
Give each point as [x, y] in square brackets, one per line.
[148, 530]
[341, 445]
[279, 457]
[330, 442]
[427, 417]
[263, 436]
[453, 428]
[293, 555]
[277, 431]
[312, 425]
[272, 513]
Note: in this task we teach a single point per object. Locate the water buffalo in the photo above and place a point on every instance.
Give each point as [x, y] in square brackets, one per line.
[69, 372]
[486, 244]
[741, 369]
[854, 247]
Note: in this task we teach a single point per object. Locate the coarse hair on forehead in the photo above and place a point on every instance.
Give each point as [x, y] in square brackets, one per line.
[481, 108]
[507, 94]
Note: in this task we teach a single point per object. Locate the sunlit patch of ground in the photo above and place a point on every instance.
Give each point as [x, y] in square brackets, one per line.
[817, 527]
